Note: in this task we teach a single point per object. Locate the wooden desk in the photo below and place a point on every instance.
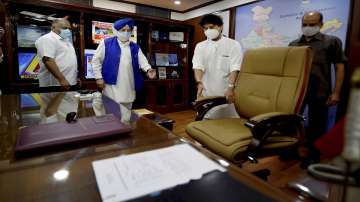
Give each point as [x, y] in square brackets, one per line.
[32, 178]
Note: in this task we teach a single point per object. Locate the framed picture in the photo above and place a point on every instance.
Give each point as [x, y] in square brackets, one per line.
[29, 66]
[101, 30]
[28, 34]
[162, 72]
[155, 35]
[104, 30]
[176, 36]
[88, 56]
[166, 59]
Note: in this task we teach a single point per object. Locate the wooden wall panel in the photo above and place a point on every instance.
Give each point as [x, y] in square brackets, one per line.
[198, 36]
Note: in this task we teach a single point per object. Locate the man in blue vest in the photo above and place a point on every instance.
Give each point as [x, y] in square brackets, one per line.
[117, 63]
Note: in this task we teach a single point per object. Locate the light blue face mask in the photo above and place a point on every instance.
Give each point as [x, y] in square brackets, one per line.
[123, 36]
[66, 34]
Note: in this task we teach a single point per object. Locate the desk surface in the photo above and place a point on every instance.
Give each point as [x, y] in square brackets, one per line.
[32, 178]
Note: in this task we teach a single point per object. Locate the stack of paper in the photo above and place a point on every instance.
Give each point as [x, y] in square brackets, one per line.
[131, 176]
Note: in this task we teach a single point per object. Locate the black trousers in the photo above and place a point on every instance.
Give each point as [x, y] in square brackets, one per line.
[317, 111]
[317, 119]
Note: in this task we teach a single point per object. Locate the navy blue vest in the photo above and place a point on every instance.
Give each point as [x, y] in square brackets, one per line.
[110, 66]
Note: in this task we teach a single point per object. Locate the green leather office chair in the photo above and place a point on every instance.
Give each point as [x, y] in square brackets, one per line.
[269, 92]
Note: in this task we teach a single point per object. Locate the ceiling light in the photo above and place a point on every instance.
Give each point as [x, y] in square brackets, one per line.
[177, 2]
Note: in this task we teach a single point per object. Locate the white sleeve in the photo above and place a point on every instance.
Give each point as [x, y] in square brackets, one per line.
[197, 60]
[143, 62]
[46, 47]
[98, 60]
[236, 57]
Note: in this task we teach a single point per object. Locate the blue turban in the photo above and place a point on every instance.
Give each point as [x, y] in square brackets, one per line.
[123, 22]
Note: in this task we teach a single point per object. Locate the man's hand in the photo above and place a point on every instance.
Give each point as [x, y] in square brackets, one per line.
[64, 84]
[229, 94]
[200, 88]
[100, 84]
[333, 99]
[79, 82]
[151, 73]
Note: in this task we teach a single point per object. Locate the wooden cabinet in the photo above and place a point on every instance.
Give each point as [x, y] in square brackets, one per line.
[167, 95]
[172, 93]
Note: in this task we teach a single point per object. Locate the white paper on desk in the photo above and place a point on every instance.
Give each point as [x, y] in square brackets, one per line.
[128, 177]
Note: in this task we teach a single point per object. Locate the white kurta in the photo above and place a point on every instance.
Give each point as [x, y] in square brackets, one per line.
[68, 103]
[124, 90]
[99, 108]
[217, 59]
[53, 46]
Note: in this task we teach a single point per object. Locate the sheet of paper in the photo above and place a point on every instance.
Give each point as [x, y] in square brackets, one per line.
[131, 176]
[143, 111]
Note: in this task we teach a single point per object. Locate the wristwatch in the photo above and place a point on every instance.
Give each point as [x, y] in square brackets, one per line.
[231, 85]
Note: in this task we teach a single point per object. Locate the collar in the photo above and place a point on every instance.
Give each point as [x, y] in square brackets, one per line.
[55, 35]
[319, 36]
[122, 44]
[215, 42]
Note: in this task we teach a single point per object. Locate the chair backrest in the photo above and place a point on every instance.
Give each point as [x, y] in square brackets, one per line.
[272, 80]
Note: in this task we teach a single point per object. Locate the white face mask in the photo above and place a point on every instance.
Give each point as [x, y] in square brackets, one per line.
[310, 31]
[212, 33]
[66, 34]
[122, 36]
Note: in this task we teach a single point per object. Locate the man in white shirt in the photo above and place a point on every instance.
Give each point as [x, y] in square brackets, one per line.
[57, 57]
[216, 64]
[117, 63]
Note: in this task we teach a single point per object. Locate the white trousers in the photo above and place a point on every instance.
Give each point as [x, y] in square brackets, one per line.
[222, 111]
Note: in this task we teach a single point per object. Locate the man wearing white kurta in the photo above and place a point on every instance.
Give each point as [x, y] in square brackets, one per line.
[216, 64]
[120, 83]
[57, 56]
[55, 106]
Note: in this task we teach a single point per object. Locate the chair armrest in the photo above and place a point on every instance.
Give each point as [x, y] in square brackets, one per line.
[203, 105]
[262, 126]
[209, 98]
[269, 115]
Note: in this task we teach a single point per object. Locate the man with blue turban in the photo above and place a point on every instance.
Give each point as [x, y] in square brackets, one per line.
[117, 63]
